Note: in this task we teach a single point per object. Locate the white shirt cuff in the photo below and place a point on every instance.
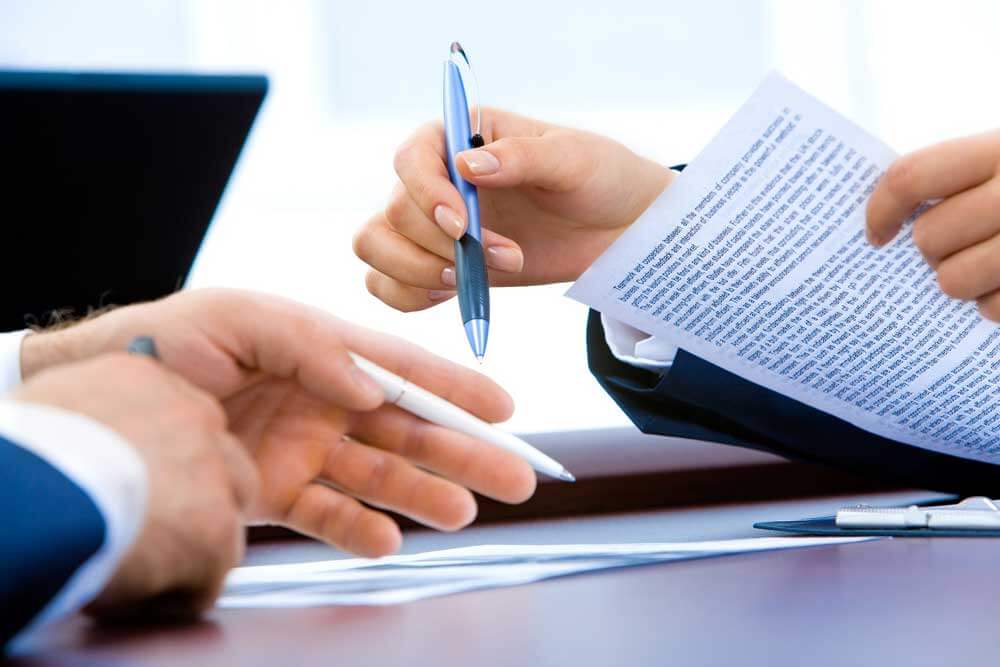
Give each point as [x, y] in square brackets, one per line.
[10, 359]
[637, 348]
[105, 467]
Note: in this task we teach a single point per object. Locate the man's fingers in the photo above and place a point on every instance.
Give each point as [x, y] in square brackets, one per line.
[471, 463]
[422, 167]
[403, 297]
[343, 522]
[973, 272]
[242, 472]
[930, 173]
[959, 222]
[553, 161]
[220, 559]
[386, 480]
[462, 386]
[309, 347]
[298, 343]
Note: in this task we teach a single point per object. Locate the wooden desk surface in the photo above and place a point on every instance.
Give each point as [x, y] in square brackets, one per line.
[902, 601]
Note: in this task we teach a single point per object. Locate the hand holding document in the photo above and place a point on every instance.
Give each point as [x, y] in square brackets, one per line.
[755, 259]
[399, 579]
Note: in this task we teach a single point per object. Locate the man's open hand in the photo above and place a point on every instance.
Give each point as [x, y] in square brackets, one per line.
[329, 453]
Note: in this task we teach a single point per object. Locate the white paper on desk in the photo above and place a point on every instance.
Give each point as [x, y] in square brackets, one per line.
[755, 260]
[399, 579]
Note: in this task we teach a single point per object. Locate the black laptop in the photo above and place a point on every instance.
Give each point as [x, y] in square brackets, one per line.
[109, 182]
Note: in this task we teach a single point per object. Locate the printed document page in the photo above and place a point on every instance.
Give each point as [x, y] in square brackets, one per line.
[755, 259]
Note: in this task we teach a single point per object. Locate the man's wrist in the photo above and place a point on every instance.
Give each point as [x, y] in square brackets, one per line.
[43, 349]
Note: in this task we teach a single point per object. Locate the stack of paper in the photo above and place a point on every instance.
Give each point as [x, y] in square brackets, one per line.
[399, 579]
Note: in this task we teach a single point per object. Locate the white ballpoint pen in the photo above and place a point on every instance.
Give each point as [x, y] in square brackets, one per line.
[422, 403]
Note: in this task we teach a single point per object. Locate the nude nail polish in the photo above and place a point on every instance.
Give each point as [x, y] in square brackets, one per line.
[448, 276]
[504, 258]
[481, 163]
[449, 221]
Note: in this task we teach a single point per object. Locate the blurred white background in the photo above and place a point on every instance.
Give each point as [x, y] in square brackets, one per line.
[350, 80]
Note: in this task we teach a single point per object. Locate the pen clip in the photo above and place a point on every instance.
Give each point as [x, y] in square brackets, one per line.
[461, 60]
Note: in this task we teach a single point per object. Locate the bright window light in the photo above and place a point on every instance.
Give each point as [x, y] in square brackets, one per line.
[351, 80]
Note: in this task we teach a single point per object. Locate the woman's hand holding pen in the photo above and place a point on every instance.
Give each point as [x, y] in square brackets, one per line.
[552, 200]
[959, 236]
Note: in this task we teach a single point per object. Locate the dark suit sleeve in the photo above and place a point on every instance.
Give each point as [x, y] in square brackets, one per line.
[50, 528]
[698, 400]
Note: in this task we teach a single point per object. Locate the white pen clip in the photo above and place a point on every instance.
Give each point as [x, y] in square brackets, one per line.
[975, 513]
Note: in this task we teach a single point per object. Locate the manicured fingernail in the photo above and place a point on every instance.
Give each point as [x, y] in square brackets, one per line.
[364, 381]
[440, 295]
[504, 258]
[448, 276]
[449, 221]
[481, 163]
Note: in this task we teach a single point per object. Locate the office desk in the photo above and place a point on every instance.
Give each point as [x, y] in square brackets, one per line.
[902, 601]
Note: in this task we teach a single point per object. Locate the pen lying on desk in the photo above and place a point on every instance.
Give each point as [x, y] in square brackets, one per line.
[433, 408]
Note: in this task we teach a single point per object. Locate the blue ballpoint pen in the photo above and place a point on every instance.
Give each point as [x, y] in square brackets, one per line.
[471, 278]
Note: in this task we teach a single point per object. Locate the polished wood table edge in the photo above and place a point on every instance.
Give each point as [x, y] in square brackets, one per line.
[889, 601]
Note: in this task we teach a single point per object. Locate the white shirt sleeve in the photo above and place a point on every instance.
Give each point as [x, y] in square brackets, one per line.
[105, 467]
[636, 347]
[10, 359]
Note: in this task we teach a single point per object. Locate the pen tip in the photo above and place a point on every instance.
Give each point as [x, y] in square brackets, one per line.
[566, 476]
[477, 331]
[479, 358]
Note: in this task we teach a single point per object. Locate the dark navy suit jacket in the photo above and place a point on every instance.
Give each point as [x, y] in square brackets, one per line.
[696, 399]
[50, 528]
